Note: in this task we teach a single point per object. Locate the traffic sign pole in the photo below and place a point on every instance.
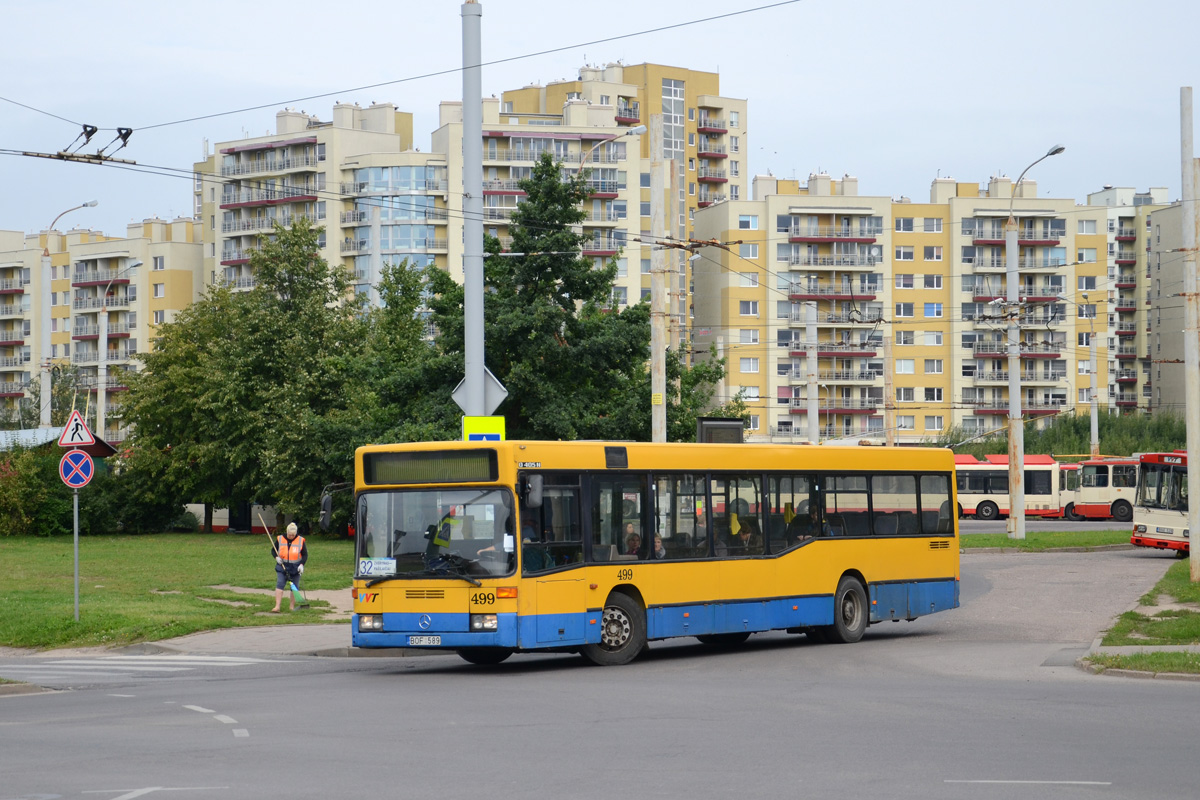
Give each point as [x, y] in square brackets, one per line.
[76, 469]
[77, 555]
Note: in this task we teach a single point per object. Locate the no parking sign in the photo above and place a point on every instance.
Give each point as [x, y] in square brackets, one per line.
[76, 469]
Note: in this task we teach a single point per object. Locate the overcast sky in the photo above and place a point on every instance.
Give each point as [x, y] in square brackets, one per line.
[891, 92]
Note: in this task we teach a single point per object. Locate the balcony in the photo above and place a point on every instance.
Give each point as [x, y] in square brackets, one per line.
[112, 383]
[839, 262]
[415, 185]
[707, 124]
[236, 283]
[1126, 281]
[1125, 257]
[260, 197]
[100, 277]
[94, 303]
[995, 376]
[706, 199]
[847, 291]
[13, 388]
[1126, 329]
[498, 213]
[796, 349]
[987, 295]
[1127, 400]
[1126, 351]
[1025, 237]
[1126, 304]
[864, 234]
[800, 375]
[601, 188]
[1000, 406]
[1047, 293]
[1126, 376]
[1032, 262]
[11, 310]
[503, 187]
[255, 224]
[1028, 350]
[82, 332]
[591, 217]
[870, 405]
[706, 175]
[10, 362]
[260, 167]
[1126, 234]
[872, 318]
[231, 258]
[710, 150]
[114, 354]
[13, 286]
[1038, 320]
[602, 247]
[12, 338]
[628, 113]
[1043, 377]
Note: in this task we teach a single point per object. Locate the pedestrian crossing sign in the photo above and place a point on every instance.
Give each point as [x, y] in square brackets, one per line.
[75, 433]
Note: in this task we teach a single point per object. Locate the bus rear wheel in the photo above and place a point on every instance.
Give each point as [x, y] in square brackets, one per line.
[1122, 511]
[849, 612]
[987, 510]
[1069, 513]
[622, 633]
[484, 656]
[724, 639]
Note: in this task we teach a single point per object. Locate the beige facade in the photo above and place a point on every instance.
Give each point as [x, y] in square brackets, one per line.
[911, 319]
[1166, 318]
[137, 282]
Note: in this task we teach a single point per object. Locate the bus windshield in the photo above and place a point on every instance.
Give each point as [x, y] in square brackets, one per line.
[435, 532]
[1163, 486]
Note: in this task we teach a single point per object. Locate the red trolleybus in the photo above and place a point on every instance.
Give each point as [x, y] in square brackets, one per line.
[1107, 489]
[1160, 514]
[983, 486]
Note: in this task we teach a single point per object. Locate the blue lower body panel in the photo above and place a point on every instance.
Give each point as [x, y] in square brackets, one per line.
[453, 628]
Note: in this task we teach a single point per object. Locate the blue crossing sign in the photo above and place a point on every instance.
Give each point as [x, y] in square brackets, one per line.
[76, 469]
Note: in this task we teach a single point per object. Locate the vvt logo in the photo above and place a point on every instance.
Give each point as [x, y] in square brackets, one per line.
[368, 597]
[425, 621]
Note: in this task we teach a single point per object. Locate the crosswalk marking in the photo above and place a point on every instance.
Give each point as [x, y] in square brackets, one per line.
[74, 671]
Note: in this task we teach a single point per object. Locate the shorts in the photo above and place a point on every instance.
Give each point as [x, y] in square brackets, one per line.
[282, 578]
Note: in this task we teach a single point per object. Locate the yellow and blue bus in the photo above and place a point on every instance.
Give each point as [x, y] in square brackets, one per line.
[487, 549]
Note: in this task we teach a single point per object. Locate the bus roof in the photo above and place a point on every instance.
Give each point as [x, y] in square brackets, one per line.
[1000, 458]
[1177, 457]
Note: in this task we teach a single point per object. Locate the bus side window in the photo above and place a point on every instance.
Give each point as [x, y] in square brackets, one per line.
[617, 501]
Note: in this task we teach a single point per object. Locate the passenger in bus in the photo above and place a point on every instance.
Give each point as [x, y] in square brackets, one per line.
[659, 550]
[807, 524]
[633, 543]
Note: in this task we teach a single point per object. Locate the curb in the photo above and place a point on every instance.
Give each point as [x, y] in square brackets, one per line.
[1094, 549]
[12, 689]
[1096, 669]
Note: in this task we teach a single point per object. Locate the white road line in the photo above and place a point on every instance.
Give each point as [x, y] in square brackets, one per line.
[240, 733]
[1041, 783]
[201, 709]
[122, 695]
[181, 657]
[87, 665]
[226, 719]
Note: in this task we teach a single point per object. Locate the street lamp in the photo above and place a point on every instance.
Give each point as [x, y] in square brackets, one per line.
[102, 350]
[636, 130]
[1016, 428]
[45, 395]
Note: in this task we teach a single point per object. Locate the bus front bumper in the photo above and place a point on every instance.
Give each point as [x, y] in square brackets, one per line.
[434, 631]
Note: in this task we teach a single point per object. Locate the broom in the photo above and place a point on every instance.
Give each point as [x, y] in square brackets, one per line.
[300, 599]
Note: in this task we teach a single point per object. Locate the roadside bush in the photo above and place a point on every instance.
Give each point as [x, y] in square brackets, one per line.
[186, 523]
[33, 500]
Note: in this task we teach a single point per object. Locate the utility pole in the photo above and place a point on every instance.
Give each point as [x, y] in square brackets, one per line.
[1190, 218]
[658, 314]
[1016, 427]
[472, 131]
[889, 392]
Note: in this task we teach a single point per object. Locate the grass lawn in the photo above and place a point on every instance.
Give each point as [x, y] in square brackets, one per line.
[1169, 626]
[1150, 662]
[1035, 541]
[145, 588]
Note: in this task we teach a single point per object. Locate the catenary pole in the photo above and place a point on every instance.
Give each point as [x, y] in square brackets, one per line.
[1190, 219]
[658, 313]
[472, 132]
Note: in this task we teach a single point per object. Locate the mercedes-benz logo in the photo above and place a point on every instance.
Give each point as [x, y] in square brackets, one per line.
[425, 621]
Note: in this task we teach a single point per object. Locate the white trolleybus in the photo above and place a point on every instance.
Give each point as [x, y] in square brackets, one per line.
[1160, 514]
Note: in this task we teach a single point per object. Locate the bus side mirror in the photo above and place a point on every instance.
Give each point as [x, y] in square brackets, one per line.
[326, 511]
[533, 491]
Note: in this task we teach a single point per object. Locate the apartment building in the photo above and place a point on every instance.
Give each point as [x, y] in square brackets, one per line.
[1166, 315]
[92, 301]
[905, 305]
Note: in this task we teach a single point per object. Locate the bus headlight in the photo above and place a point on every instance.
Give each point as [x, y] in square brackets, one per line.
[484, 622]
[370, 622]
[1139, 528]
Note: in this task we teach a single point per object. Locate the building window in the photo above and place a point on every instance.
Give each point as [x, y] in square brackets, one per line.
[905, 395]
[691, 140]
[691, 165]
[904, 224]
[906, 366]
[933, 366]
[934, 281]
[1086, 227]
[933, 310]
[734, 191]
[160, 317]
[749, 392]
[933, 423]
[748, 279]
[749, 364]
[160, 290]
[748, 250]
[620, 296]
[735, 144]
[904, 337]
[645, 180]
[1087, 311]
[645, 266]
[748, 336]
[904, 309]
[1086, 255]
[320, 151]
[733, 119]
[1086, 283]
[752, 422]
[933, 254]
[748, 222]
[622, 268]
[906, 422]
[933, 394]
[159, 263]
[734, 169]
[748, 308]
[933, 338]
[904, 281]
[933, 224]
[904, 253]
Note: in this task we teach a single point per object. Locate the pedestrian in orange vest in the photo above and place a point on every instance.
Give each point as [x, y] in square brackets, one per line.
[289, 564]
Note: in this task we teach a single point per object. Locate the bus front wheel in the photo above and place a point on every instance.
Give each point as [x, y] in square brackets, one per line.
[986, 510]
[1122, 511]
[849, 612]
[484, 656]
[622, 633]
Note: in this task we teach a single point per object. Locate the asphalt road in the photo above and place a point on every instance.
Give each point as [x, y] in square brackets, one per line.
[979, 702]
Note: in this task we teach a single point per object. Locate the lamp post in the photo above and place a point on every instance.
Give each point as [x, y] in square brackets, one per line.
[45, 395]
[1016, 428]
[636, 130]
[102, 351]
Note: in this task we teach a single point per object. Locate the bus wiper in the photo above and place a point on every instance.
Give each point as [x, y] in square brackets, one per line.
[440, 565]
[403, 577]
